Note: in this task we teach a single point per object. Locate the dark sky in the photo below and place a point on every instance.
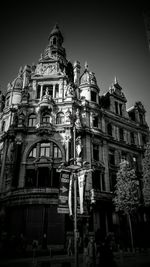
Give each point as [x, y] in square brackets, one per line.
[110, 37]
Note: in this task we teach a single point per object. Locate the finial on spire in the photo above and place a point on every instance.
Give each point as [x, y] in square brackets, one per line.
[86, 65]
[115, 80]
[20, 71]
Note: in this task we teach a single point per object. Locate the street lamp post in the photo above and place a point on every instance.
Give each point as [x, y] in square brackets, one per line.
[75, 221]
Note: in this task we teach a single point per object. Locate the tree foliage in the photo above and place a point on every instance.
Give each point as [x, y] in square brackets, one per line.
[127, 198]
[146, 176]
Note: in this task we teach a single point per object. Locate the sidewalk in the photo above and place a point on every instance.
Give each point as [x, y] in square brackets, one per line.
[122, 260]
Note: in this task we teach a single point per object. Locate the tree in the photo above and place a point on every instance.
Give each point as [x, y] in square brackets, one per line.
[146, 176]
[127, 197]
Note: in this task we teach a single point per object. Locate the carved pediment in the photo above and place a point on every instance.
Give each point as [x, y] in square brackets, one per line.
[46, 69]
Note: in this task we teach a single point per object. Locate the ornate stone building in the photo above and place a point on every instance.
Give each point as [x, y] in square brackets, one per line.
[37, 115]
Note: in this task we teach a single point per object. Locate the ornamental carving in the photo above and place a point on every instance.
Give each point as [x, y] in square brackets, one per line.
[46, 69]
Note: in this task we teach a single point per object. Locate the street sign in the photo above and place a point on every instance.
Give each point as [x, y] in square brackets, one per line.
[63, 192]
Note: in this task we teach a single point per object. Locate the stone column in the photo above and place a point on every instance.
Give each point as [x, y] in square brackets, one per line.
[105, 160]
[3, 165]
[41, 94]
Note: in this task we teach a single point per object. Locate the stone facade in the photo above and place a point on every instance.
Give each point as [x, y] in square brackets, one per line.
[37, 115]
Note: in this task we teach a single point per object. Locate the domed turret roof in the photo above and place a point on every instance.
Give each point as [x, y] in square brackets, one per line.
[18, 82]
[88, 77]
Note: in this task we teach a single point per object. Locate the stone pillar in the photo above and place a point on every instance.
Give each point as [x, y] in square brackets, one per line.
[103, 124]
[3, 165]
[21, 183]
[41, 94]
[105, 160]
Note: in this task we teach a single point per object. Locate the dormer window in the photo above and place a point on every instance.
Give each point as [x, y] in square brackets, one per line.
[116, 107]
[93, 96]
[132, 115]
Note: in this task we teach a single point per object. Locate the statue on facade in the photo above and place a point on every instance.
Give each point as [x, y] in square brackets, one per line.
[78, 119]
[67, 116]
[69, 90]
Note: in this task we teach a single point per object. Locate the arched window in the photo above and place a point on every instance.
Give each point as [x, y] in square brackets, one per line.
[93, 96]
[54, 41]
[32, 120]
[60, 118]
[44, 174]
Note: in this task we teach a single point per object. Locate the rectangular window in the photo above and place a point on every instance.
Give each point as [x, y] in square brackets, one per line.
[96, 180]
[120, 109]
[56, 90]
[121, 135]
[95, 152]
[57, 152]
[95, 121]
[132, 138]
[116, 107]
[45, 150]
[112, 156]
[93, 96]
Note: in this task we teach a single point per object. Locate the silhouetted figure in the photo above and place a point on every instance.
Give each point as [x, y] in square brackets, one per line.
[44, 242]
[91, 252]
[106, 253]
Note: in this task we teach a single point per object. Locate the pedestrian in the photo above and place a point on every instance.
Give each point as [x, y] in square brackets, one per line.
[70, 247]
[91, 252]
[85, 252]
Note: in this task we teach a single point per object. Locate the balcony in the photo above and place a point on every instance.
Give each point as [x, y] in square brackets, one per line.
[31, 196]
[97, 195]
[44, 128]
